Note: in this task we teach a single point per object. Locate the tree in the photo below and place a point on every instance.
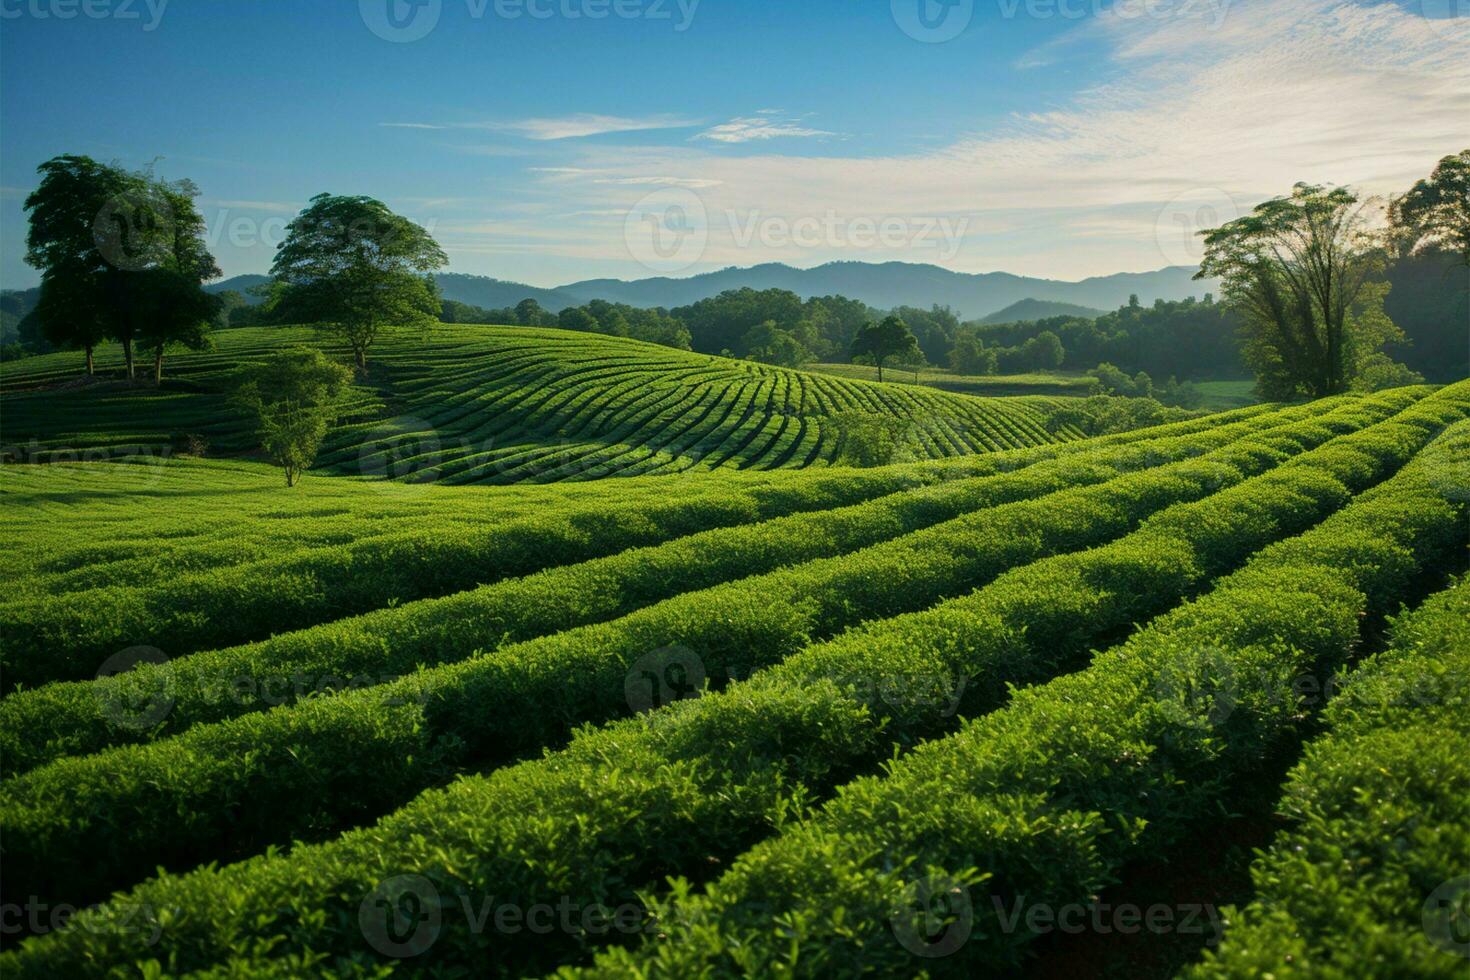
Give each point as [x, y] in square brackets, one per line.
[70, 312]
[1293, 268]
[351, 263]
[61, 242]
[575, 318]
[292, 399]
[122, 253]
[1044, 352]
[173, 310]
[769, 344]
[174, 306]
[869, 438]
[1435, 213]
[882, 342]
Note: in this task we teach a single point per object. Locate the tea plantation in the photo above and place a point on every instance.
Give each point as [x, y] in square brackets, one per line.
[743, 712]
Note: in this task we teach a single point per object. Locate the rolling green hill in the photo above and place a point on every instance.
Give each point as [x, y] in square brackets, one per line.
[474, 404]
[1033, 672]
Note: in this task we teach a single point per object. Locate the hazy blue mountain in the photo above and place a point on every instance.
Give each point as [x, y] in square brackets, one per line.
[883, 285]
[889, 284]
[1040, 309]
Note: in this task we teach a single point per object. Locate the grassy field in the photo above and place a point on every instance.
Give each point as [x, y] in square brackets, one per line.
[1056, 384]
[472, 404]
[762, 718]
[1220, 395]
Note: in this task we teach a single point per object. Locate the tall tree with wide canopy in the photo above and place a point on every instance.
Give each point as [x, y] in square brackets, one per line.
[352, 264]
[123, 255]
[1295, 268]
[1435, 213]
[882, 342]
[61, 242]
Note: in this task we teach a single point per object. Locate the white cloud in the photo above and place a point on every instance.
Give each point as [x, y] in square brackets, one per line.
[562, 127]
[1319, 90]
[765, 124]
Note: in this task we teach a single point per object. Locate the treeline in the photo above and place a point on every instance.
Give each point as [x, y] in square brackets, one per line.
[653, 325]
[1185, 339]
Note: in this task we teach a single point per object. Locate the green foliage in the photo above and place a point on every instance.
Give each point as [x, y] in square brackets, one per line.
[890, 340]
[1301, 271]
[352, 263]
[440, 630]
[1187, 339]
[123, 255]
[527, 405]
[1050, 794]
[291, 399]
[869, 439]
[1368, 879]
[1435, 213]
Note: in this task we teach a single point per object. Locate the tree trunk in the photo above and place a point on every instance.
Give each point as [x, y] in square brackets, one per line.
[128, 355]
[879, 362]
[91, 369]
[361, 355]
[158, 367]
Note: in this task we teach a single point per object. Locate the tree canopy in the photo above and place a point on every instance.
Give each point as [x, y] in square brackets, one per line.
[1296, 268]
[123, 256]
[292, 399]
[352, 264]
[890, 340]
[1436, 211]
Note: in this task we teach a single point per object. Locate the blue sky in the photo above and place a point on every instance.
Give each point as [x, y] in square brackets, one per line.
[541, 142]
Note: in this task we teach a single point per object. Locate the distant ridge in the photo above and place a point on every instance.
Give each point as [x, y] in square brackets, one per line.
[883, 285]
[1040, 309]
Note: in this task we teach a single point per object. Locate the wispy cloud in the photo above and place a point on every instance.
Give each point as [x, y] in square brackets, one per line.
[562, 127]
[1368, 94]
[764, 125]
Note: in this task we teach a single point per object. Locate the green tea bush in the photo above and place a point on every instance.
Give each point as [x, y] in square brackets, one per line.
[1106, 591]
[1370, 880]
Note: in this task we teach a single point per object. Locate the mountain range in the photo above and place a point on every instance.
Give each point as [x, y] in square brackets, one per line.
[881, 285]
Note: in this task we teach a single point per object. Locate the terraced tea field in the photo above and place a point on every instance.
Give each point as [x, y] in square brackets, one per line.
[760, 718]
[471, 404]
